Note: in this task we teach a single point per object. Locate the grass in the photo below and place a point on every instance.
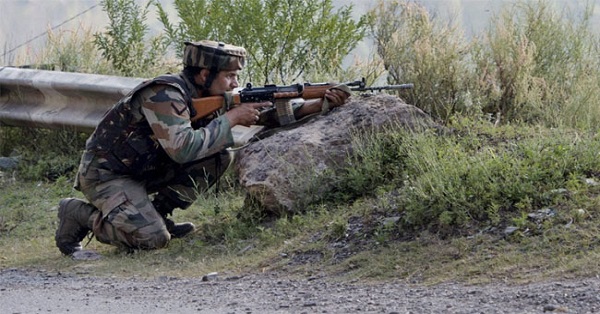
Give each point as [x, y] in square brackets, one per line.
[510, 194]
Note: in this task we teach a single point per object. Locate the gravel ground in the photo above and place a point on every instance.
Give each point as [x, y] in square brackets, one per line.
[27, 291]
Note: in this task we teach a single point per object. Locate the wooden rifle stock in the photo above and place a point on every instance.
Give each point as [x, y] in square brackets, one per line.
[207, 105]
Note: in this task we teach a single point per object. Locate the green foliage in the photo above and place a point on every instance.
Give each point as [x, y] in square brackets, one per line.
[285, 39]
[375, 161]
[338, 228]
[43, 154]
[125, 43]
[418, 48]
[537, 65]
[531, 65]
[8, 140]
[453, 183]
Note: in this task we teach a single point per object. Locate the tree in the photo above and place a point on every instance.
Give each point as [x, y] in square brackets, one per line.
[124, 44]
[284, 38]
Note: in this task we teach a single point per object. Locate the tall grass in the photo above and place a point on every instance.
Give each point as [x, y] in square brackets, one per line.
[533, 64]
[416, 47]
[539, 65]
[535, 67]
[67, 50]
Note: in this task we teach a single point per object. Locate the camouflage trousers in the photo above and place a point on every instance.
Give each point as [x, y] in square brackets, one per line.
[126, 216]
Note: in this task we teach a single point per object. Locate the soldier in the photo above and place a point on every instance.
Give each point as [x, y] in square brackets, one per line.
[147, 158]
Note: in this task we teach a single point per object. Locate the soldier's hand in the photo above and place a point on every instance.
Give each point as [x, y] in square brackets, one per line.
[246, 114]
[336, 97]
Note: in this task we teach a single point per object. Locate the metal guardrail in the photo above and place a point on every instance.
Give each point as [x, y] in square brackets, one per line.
[54, 99]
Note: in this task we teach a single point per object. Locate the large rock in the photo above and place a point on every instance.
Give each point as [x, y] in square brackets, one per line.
[277, 170]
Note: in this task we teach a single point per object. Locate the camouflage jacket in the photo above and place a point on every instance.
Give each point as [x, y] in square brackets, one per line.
[150, 129]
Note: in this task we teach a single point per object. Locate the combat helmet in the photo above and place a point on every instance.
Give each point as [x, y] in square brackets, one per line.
[212, 55]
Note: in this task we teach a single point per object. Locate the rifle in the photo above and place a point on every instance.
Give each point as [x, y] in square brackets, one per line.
[273, 93]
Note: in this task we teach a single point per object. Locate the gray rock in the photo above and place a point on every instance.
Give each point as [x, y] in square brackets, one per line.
[86, 255]
[210, 276]
[9, 163]
[280, 170]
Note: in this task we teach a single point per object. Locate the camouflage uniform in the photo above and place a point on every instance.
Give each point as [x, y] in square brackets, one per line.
[144, 145]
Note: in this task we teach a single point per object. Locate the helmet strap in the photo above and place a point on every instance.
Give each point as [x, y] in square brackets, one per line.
[214, 68]
[210, 78]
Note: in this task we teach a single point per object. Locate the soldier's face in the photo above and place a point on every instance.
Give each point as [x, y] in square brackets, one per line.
[225, 81]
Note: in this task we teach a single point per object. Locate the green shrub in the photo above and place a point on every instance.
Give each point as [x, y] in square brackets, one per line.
[418, 48]
[538, 65]
[43, 154]
[456, 183]
[69, 51]
[476, 178]
[375, 161]
[533, 64]
[125, 43]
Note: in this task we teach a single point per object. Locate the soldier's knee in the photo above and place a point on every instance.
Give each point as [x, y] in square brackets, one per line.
[162, 240]
[127, 227]
[154, 240]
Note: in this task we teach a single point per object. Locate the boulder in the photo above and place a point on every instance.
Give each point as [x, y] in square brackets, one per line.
[278, 170]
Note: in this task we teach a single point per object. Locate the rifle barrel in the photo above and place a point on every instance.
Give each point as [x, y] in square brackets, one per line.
[387, 87]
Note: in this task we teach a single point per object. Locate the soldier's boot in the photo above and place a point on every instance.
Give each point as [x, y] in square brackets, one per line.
[177, 230]
[75, 221]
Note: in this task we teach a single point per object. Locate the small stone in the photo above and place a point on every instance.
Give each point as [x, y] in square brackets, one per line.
[510, 230]
[86, 255]
[8, 163]
[210, 276]
[554, 308]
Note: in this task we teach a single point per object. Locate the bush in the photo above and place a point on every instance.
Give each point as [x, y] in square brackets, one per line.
[538, 66]
[417, 48]
[532, 64]
[43, 154]
[125, 44]
[479, 177]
